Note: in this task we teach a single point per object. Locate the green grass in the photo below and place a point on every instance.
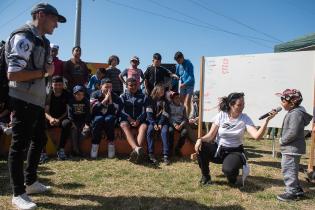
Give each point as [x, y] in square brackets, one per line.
[118, 184]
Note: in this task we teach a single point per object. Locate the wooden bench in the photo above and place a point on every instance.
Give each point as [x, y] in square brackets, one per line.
[121, 144]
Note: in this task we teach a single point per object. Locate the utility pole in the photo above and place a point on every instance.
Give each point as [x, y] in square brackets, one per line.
[77, 38]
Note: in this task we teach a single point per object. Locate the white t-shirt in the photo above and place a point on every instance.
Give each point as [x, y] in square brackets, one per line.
[231, 131]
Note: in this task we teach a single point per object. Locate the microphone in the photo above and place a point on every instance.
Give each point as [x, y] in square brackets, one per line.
[278, 109]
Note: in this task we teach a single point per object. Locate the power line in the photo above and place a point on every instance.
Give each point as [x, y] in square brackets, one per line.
[181, 21]
[7, 6]
[208, 24]
[9, 21]
[234, 20]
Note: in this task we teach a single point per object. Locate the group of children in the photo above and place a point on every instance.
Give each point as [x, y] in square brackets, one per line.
[148, 104]
[102, 105]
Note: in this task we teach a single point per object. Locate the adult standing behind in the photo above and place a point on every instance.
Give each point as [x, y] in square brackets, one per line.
[185, 71]
[134, 116]
[228, 129]
[155, 74]
[29, 62]
[133, 72]
[112, 73]
[56, 61]
[75, 70]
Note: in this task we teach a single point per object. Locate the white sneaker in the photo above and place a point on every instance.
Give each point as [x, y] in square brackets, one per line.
[36, 187]
[111, 150]
[245, 173]
[23, 202]
[94, 151]
[8, 130]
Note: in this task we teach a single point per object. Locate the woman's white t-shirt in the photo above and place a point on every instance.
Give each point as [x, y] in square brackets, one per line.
[231, 131]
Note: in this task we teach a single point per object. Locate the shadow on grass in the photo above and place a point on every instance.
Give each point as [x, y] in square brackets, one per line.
[131, 202]
[275, 164]
[258, 151]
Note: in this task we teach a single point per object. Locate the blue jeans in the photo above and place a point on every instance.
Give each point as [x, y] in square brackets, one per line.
[164, 136]
[290, 172]
[100, 123]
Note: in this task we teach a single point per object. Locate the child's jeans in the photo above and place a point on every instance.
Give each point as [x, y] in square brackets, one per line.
[290, 172]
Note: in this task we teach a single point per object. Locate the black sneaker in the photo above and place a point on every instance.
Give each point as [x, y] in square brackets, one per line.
[133, 156]
[205, 180]
[232, 179]
[152, 159]
[287, 197]
[166, 161]
[178, 152]
[43, 158]
[140, 155]
[299, 192]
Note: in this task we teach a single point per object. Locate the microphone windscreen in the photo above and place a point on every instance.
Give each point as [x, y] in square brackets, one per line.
[278, 109]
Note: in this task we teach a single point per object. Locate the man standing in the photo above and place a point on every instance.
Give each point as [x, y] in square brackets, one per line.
[29, 62]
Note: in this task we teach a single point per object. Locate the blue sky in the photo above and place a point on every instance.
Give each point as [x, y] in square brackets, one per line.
[195, 27]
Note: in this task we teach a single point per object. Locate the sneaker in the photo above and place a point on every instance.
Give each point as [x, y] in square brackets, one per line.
[7, 130]
[205, 180]
[111, 150]
[287, 197]
[141, 154]
[94, 151]
[36, 188]
[299, 192]
[166, 160]
[23, 202]
[152, 159]
[43, 158]
[133, 156]
[267, 136]
[61, 155]
[245, 173]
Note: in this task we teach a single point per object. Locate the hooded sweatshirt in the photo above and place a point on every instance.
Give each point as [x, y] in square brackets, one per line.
[292, 137]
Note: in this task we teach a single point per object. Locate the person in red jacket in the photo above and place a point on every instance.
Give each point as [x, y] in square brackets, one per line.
[54, 49]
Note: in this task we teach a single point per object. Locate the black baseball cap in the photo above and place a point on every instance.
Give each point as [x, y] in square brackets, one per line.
[48, 9]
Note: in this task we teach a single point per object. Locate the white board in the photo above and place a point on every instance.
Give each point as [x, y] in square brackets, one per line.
[260, 77]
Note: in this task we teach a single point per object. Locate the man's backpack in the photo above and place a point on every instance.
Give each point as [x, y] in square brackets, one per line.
[4, 87]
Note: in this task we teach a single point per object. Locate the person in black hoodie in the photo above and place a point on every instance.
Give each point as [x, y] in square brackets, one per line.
[78, 119]
[106, 107]
[133, 116]
[158, 119]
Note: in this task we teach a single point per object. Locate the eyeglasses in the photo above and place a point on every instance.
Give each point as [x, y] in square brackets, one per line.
[285, 98]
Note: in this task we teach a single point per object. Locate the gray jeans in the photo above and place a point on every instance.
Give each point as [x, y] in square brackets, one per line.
[290, 172]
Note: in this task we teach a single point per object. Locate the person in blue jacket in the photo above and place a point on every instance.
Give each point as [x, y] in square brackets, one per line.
[133, 115]
[185, 71]
[106, 107]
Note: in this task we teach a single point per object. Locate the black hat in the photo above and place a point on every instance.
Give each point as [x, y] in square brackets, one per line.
[78, 88]
[105, 80]
[57, 78]
[48, 9]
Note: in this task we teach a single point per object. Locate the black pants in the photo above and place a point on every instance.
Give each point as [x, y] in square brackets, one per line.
[28, 134]
[66, 126]
[182, 137]
[230, 158]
